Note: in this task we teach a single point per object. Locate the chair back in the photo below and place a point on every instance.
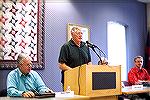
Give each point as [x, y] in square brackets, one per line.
[125, 83]
[3, 93]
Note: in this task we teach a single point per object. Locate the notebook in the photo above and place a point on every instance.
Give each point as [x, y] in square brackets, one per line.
[44, 95]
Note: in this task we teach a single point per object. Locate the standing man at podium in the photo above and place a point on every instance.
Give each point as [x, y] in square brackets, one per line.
[73, 53]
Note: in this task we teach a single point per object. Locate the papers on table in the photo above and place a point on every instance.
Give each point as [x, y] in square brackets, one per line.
[64, 94]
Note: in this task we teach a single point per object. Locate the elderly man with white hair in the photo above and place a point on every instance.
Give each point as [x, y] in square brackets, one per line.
[23, 81]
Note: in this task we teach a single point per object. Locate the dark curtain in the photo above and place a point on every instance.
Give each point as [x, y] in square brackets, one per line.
[147, 53]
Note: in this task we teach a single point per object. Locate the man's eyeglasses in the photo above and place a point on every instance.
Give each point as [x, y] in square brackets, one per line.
[29, 65]
[79, 33]
[139, 61]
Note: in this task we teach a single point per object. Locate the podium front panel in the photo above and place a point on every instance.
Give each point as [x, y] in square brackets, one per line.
[103, 80]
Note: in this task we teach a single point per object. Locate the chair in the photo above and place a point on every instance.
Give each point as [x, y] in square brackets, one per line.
[125, 83]
[3, 93]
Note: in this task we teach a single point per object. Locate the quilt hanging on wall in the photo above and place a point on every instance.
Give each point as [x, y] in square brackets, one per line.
[21, 30]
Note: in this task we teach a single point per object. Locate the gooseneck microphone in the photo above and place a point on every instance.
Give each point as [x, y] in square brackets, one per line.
[91, 45]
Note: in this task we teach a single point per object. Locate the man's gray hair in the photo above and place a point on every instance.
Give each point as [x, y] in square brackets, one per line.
[138, 57]
[21, 56]
[75, 29]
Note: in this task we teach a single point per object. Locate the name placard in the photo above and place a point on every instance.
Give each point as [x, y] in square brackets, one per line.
[137, 87]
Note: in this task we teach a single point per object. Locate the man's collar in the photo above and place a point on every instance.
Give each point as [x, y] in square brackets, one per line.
[21, 74]
[138, 69]
[73, 43]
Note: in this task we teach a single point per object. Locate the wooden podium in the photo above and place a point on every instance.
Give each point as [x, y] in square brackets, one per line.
[88, 80]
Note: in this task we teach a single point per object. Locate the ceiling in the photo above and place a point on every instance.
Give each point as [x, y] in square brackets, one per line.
[145, 1]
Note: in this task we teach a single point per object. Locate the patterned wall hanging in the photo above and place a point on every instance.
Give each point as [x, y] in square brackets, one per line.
[21, 30]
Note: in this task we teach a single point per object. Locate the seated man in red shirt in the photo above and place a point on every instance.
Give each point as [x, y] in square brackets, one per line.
[137, 74]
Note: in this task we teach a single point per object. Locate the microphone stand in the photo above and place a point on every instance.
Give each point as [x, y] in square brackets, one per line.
[100, 61]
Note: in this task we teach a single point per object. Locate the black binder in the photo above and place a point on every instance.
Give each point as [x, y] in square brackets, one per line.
[44, 95]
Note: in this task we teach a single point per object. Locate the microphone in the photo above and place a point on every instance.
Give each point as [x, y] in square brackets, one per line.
[91, 45]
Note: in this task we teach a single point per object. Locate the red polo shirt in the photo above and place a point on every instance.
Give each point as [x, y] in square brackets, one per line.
[136, 74]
